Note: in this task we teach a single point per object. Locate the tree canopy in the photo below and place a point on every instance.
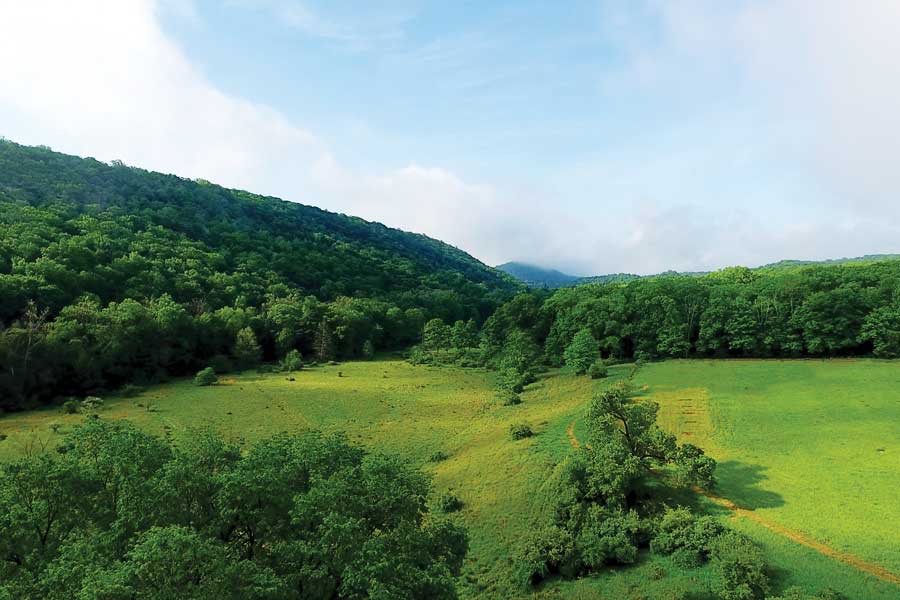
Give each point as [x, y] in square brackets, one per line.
[116, 513]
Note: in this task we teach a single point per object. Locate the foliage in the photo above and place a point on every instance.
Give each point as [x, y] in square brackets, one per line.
[520, 431]
[220, 363]
[292, 361]
[508, 397]
[117, 513]
[582, 352]
[72, 406]
[687, 538]
[448, 503]
[816, 310]
[598, 370]
[602, 492]
[206, 377]
[741, 566]
[112, 275]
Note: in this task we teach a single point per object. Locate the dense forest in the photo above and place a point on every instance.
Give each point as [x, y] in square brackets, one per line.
[850, 309]
[111, 274]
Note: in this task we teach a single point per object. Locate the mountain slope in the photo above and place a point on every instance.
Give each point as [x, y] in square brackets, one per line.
[74, 217]
[112, 274]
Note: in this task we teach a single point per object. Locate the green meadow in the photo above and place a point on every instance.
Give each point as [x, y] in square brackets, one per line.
[812, 446]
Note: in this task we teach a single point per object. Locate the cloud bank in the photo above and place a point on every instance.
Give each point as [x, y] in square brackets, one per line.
[795, 100]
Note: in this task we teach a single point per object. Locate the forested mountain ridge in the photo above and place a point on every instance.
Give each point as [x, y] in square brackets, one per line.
[110, 273]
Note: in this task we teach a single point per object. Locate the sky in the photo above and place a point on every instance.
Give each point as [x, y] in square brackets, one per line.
[589, 136]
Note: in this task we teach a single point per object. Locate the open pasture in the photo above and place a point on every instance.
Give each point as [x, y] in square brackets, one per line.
[783, 454]
[811, 447]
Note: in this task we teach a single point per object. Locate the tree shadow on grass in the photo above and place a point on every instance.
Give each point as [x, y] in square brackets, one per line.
[740, 483]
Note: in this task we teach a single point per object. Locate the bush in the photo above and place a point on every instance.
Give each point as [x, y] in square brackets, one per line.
[598, 370]
[512, 380]
[438, 456]
[368, 350]
[549, 551]
[508, 397]
[292, 361]
[741, 566]
[71, 406]
[520, 431]
[448, 503]
[130, 390]
[206, 376]
[688, 539]
[92, 403]
[220, 364]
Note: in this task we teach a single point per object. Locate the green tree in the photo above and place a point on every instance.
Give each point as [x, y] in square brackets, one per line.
[582, 352]
[436, 335]
[246, 349]
[881, 328]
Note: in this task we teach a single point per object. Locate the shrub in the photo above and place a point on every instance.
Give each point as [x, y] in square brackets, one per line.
[608, 537]
[71, 406]
[741, 567]
[448, 503]
[130, 390]
[206, 376]
[508, 397]
[598, 370]
[688, 539]
[512, 380]
[292, 361]
[220, 364]
[520, 431]
[92, 403]
[438, 456]
[368, 350]
[549, 551]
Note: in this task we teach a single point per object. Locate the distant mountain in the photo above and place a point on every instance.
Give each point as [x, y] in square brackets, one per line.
[535, 276]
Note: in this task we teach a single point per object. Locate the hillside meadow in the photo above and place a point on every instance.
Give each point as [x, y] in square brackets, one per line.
[805, 445]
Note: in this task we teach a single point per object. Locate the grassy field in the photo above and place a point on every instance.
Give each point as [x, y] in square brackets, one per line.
[811, 447]
[417, 411]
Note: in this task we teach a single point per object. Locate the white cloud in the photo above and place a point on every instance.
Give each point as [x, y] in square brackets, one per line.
[101, 78]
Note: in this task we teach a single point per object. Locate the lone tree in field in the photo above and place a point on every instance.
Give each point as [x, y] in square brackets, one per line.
[582, 352]
[246, 348]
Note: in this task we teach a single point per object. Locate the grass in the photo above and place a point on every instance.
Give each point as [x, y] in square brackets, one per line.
[811, 446]
[421, 411]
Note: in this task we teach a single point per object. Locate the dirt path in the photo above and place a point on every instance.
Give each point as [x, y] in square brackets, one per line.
[795, 536]
[570, 433]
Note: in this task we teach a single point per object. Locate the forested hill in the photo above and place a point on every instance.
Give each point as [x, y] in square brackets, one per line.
[82, 213]
[110, 264]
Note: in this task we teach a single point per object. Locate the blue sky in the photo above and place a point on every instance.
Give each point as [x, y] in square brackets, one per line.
[590, 136]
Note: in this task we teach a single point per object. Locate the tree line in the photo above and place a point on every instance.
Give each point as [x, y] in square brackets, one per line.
[807, 311]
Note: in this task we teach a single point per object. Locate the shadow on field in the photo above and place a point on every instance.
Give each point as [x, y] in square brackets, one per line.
[739, 482]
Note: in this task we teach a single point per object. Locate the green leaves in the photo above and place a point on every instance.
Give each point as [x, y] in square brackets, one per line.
[117, 513]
